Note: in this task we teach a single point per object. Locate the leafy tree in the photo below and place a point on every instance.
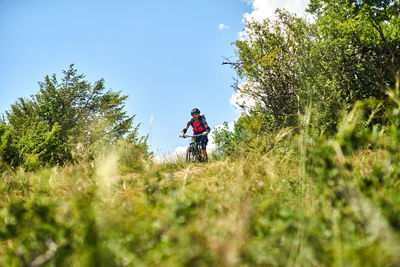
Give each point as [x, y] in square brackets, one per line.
[8, 144]
[359, 44]
[270, 58]
[248, 135]
[223, 139]
[350, 52]
[84, 112]
[40, 145]
[66, 116]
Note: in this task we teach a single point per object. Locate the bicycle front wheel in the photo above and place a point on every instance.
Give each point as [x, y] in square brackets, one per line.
[189, 154]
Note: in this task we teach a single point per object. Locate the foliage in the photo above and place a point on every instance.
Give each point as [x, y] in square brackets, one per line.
[274, 59]
[324, 201]
[362, 40]
[251, 134]
[64, 121]
[350, 52]
[303, 184]
[8, 144]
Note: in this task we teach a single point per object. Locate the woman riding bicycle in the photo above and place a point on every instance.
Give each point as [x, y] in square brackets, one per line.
[200, 128]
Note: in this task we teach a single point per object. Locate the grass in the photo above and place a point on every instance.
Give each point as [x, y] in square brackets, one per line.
[309, 201]
[226, 213]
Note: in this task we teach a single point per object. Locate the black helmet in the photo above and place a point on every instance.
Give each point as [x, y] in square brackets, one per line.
[195, 111]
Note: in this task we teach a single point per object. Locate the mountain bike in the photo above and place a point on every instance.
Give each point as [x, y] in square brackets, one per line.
[193, 152]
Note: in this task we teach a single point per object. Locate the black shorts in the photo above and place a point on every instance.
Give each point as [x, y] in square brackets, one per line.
[203, 139]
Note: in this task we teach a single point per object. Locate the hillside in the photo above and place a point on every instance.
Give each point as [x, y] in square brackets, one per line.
[265, 211]
[306, 175]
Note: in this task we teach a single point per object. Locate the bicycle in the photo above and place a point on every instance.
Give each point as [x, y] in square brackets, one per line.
[193, 152]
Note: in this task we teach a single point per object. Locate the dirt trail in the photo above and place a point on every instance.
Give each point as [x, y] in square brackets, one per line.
[189, 170]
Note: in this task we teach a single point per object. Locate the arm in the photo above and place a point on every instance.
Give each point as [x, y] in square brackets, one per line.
[186, 128]
[208, 130]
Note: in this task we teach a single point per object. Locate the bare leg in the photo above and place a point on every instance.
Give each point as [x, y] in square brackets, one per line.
[204, 153]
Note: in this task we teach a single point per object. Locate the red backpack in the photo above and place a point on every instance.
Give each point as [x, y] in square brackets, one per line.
[198, 127]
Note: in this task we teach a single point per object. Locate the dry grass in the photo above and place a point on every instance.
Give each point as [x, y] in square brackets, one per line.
[225, 213]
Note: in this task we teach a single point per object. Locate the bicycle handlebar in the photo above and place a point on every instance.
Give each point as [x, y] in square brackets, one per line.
[186, 136]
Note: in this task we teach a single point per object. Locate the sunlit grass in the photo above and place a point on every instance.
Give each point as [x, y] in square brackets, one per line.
[309, 201]
[228, 213]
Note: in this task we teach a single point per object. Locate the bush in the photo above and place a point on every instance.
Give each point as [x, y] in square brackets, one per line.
[251, 135]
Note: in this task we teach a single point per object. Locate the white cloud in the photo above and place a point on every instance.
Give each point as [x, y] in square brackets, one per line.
[223, 26]
[263, 9]
[239, 99]
[178, 153]
[180, 150]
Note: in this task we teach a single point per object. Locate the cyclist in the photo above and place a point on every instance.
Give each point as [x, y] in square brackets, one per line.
[200, 128]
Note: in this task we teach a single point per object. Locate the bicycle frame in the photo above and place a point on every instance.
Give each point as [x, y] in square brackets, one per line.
[193, 152]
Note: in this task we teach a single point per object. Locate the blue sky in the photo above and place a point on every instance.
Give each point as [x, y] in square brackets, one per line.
[166, 55]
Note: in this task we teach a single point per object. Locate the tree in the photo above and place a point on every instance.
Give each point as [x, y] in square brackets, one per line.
[274, 59]
[350, 52]
[65, 115]
[364, 37]
[84, 112]
[8, 144]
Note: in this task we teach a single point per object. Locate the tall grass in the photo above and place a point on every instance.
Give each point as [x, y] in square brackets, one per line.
[309, 202]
